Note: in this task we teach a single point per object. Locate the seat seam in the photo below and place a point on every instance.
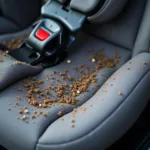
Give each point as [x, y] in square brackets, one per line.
[104, 119]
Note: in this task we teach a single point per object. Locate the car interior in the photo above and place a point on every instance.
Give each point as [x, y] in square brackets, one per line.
[74, 74]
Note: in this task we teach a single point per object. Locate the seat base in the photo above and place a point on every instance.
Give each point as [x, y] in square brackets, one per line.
[28, 133]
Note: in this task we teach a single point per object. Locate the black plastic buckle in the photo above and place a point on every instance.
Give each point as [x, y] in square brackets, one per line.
[32, 57]
[51, 60]
[62, 30]
[71, 19]
[47, 52]
[52, 50]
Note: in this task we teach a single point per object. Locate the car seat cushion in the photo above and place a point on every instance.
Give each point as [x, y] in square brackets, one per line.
[101, 114]
[29, 133]
[12, 70]
[111, 110]
[142, 40]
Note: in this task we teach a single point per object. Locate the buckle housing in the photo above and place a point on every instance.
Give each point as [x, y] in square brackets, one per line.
[51, 36]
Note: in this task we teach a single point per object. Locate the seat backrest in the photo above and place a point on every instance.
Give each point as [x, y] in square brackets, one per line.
[21, 12]
[103, 10]
[123, 29]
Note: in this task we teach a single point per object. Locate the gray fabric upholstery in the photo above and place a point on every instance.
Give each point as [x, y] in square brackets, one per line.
[21, 34]
[142, 40]
[84, 5]
[108, 11]
[106, 119]
[6, 26]
[109, 114]
[123, 30]
[11, 72]
[16, 15]
[32, 132]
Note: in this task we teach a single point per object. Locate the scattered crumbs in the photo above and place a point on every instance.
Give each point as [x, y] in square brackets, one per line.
[65, 93]
[13, 44]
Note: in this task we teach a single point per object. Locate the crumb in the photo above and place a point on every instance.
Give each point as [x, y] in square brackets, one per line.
[69, 61]
[60, 113]
[93, 60]
[119, 93]
[144, 62]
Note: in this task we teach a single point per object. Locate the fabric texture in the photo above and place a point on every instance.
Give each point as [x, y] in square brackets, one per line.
[32, 132]
[108, 11]
[111, 113]
[6, 26]
[17, 15]
[142, 40]
[122, 30]
[12, 71]
[112, 106]
[84, 5]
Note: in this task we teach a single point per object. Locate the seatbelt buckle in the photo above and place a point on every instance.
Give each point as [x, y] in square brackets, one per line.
[46, 39]
[71, 19]
[52, 36]
[46, 36]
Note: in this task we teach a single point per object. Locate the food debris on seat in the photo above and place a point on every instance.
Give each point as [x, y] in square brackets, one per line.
[65, 90]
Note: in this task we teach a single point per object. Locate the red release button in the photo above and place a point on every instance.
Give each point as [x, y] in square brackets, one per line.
[41, 34]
